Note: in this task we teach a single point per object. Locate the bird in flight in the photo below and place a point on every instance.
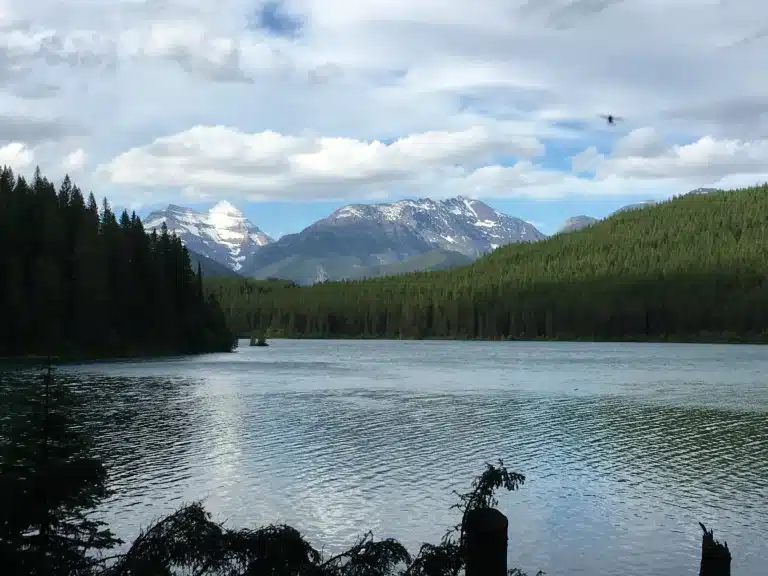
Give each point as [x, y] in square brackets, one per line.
[611, 119]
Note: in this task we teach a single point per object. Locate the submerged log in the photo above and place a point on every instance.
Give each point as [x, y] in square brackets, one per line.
[715, 557]
[485, 541]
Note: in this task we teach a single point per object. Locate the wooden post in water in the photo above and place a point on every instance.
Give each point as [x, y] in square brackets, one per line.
[715, 557]
[485, 542]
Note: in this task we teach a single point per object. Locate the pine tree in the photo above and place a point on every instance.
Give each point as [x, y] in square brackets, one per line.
[48, 483]
[76, 281]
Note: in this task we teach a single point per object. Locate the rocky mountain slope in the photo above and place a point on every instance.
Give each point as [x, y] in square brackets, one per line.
[222, 233]
[359, 237]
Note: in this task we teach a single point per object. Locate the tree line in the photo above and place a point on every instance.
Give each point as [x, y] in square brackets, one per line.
[81, 281]
[694, 268]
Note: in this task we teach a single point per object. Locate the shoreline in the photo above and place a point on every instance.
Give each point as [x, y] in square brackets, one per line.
[745, 341]
[36, 359]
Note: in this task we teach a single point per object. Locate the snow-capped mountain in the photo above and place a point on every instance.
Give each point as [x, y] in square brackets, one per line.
[222, 233]
[458, 224]
[373, 236]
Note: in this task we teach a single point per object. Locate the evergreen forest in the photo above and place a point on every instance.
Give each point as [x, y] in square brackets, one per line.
[79, 281]
[694, 268]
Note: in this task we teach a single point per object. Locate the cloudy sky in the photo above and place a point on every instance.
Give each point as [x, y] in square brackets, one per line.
[290, 109]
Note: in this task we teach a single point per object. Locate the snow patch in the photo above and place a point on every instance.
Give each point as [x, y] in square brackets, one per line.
[391, 212]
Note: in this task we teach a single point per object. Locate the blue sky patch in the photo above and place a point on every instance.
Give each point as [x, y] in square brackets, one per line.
[272, 17]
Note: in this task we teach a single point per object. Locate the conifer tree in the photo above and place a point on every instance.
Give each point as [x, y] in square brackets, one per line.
[76, 280]
[49, 481]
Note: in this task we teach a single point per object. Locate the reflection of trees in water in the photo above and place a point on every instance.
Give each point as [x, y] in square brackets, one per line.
[140, 425]
[136, 422]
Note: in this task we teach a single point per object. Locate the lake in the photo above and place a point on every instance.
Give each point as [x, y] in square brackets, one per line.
[626, 447]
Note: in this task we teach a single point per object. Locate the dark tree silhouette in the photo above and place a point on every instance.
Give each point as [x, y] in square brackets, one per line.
[48, 483]
[79, 281]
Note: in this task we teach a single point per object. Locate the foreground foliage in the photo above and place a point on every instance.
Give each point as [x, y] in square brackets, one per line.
[49, 481]
[694, 268]
[190, 541]
[78, 281]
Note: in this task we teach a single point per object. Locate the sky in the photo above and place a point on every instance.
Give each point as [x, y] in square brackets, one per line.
[292, 109]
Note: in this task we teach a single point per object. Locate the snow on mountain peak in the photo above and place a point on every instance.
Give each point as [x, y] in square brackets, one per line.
[461, 224]
[224, 207]
[222, 233]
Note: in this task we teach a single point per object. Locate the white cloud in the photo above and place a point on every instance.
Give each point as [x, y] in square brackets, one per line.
[372, 99]
[16, 155]
[75, 161]
[642, 155]
[268, 165]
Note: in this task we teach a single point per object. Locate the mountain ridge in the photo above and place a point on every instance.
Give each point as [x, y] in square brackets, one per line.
[358, 238]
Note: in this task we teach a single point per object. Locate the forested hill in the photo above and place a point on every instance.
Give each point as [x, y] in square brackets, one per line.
[693, 268]
[79, 282]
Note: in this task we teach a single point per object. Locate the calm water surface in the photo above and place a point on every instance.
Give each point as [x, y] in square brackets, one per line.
[625, 447]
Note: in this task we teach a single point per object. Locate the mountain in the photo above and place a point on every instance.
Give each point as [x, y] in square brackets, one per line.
[360, 236]
[222, 233]
[577, 223]
[210, 267]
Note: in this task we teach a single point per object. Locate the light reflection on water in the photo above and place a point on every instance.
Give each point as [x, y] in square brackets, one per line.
[626, 447]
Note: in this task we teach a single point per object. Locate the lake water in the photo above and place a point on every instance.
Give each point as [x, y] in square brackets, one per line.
[626, 447]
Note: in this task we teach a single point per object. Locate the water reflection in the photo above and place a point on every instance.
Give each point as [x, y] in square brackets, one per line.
[337, 438]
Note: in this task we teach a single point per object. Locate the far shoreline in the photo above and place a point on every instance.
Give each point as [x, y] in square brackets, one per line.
[732, 340]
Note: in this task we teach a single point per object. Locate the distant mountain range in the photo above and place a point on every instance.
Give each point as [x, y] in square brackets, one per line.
[358, 240]
[355, 241]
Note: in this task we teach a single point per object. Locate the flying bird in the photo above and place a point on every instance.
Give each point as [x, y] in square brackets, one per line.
[611, 119]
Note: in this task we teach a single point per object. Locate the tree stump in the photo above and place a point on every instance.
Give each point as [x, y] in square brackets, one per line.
[485, 542]
[715, 557]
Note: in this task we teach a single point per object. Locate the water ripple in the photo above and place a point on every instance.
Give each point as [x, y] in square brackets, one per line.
[626, 447]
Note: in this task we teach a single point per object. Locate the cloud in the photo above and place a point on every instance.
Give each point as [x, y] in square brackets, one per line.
[269, 165]
[75, 161]
[377, 99]
[16, 155]
[643, 155]
[30, 130]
